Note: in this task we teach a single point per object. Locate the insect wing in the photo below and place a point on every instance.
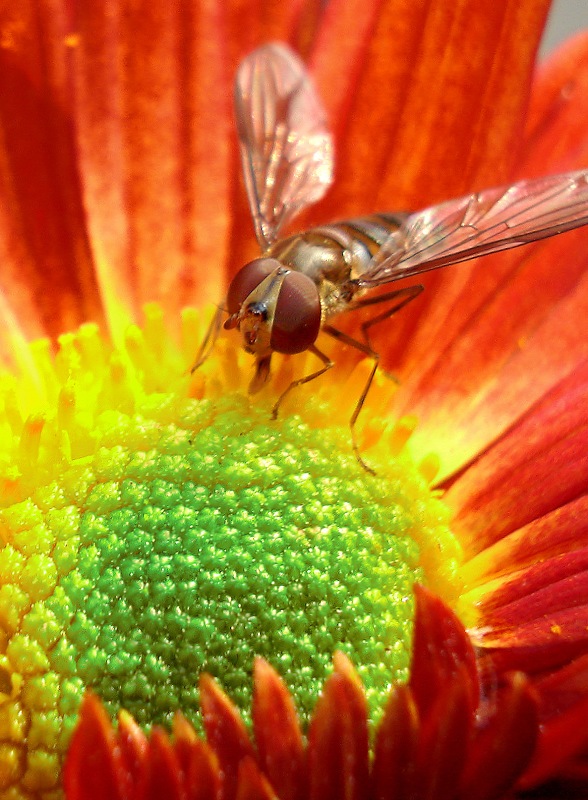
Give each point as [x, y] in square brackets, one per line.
[286, 148]
[480, 224]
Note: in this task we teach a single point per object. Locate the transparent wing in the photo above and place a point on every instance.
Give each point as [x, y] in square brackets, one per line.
[286, 148]
[479, 224]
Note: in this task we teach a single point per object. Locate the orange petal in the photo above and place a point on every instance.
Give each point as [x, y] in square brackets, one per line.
[438, 108]
[293, 22]
[248, 24]
[555, 134]
[134, 748]
[197, 762]
[47, 269]
[491, 338]
[152, 110]
[277, 733]
[338, 738]
[203, 775]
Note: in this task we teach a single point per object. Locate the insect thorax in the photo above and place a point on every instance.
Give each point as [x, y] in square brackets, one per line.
[334, 256]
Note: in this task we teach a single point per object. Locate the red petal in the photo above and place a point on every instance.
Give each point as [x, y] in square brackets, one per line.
[197, 762]
[513, 483]
[437, 630]
[564, 688]
[445, 735]
[165, 773]
[293, 22]
[557, 584]
[225, 731]
[134, 748]
[277, 733]
[394, 770]
[338, 739]
[203, 775]
[538, 618]
[564, 733]
[504, 744]
[549, 536]
[94, 767]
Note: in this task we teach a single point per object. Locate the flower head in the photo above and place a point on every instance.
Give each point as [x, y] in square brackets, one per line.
[157, 525]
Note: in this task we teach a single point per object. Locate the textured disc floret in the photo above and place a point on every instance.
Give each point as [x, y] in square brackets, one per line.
[175, 534]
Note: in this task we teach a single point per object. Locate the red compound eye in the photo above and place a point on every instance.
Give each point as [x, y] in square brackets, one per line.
[247, 279]
[297, 320]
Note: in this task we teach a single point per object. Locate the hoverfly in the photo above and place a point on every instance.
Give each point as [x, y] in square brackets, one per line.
[281, 301]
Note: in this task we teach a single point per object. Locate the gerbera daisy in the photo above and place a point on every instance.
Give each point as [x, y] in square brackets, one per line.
[163, 536]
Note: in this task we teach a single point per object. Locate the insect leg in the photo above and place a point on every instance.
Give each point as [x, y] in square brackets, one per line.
[402, 298]
[328, 364]
[208, 342]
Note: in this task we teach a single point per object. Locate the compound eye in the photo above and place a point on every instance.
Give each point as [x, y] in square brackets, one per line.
[297, 320]
[247, 279]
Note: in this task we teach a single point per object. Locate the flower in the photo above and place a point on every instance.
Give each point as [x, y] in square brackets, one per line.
[118, 118]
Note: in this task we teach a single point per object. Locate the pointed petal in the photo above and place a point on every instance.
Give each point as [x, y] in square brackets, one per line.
[394, 769]
[445, 735]
[338, 738]
[184, 739]
[134, 748]
[251, 784]
[93, 769]
[203, 777]
[225, 731]
[197, 761]
[277, 733]
[438, 630]
[164, 765]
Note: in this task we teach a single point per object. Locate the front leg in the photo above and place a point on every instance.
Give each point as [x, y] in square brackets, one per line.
[328, 364]
[402, 298]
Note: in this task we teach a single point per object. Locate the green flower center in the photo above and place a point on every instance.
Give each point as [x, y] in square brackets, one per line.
[171, 535]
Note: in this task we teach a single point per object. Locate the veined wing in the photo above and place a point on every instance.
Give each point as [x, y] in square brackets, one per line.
[480, 224]
[286, 148]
